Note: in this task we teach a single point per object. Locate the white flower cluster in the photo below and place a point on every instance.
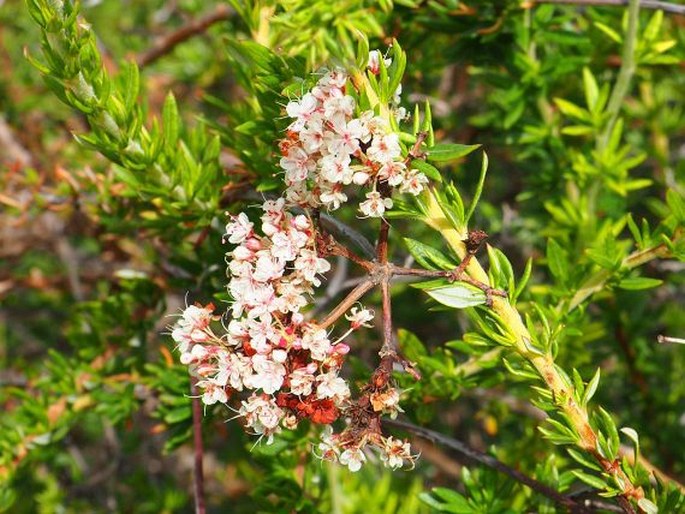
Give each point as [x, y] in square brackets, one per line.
[351, 452]
[328, 148]
[288, 367]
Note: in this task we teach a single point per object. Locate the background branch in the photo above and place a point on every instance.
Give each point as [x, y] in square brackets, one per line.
[667, 7]
[166, 44]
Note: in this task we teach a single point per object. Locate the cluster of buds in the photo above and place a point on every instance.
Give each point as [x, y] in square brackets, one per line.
[286, 366]
[329, 147]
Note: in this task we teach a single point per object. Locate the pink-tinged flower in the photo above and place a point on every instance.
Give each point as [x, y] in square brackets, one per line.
[309, 264]
[301, 223]
[284, 247]
[213, 392]
[393, 171]
[262, 415]
[345, 139]
[267, 267]
[360, 317]
[361, 177]
[395, 452]
[239, 229]
[196, 318]
[332, 386]
[333, 197]
[302, 111]
[336, 168]
[268, 375]
[316, 341]
[196, 354]
[375, 205]
[290, 297]
[353, 458]
[328, 445]
[242, 253]
[337, 109]
[297, 164]
[312, 136]
[302, 380]
[414, 182]
[374, 64]
[384, 148]
[336, 78]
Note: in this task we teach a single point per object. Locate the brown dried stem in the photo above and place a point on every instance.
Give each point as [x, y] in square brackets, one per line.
[198, 474]
[167, 43]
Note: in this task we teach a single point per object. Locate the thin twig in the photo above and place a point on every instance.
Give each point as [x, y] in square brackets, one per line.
[167, 43]
[198, 474]
[347, 302]
[388, 347]
[491, 462]
[625, 74]
[647, 4]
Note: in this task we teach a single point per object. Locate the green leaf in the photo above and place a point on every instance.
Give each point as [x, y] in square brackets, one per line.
[590, 480]
[638, 283]
[449, 152]
[171, 122]
[458, 295]
[572, 110]
[427, 169]
[479, 188]
[590, 88]
[427, 256]
[557, 260]
[411, 346]
[591, 388]
[648, 506]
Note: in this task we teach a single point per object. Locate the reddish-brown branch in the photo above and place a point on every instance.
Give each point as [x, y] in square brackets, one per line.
[347, 302]
[167, 43]
[388, 348]
[198, 474]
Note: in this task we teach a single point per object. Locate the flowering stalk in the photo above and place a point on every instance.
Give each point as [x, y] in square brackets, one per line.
[288, 365]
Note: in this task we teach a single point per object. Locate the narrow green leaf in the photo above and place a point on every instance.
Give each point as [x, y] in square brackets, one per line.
[450, 152]
[638, 283]
[458, 295]
[591, 480]
[427, 169]
[427, 256]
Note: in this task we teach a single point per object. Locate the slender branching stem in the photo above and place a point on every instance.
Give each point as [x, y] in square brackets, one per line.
[625, 74]
[198, 473]
[167, 43]
[388, 347]
[352, 297]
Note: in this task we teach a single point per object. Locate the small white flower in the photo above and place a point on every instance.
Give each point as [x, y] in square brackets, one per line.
[239, 229]
[353, 458]
[316, 341]
[375, 205]
[384, 148]
[374, 64]
[332, 386]
[360, 317]
[394, 452]
[414, 182]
